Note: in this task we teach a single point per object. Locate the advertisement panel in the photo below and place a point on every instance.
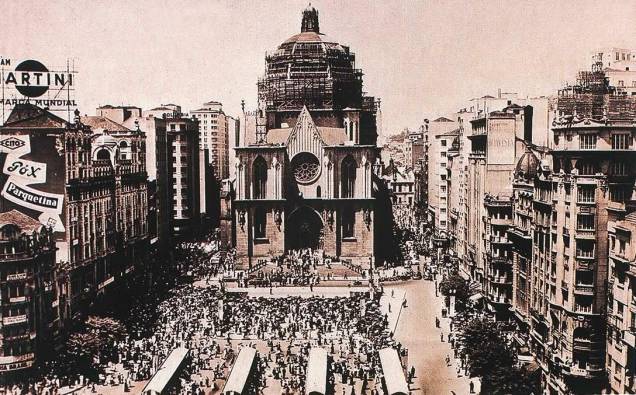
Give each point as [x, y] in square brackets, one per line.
[501, 142]
[35, 82]
[33, 178]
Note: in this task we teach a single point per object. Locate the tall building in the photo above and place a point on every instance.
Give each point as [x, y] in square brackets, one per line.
[498, 140]
[27, 297]
[173, 180]
[214, 136]
[590, 181]
[572, 231]
[90, 188]
[185, 175]
[443, 132]
[520, 234]
[421, 171]
[305, 174]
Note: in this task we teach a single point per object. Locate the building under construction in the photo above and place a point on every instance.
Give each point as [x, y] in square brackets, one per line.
[310, 69]
[593, 97]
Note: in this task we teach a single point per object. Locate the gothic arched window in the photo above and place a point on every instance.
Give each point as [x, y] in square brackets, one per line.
[348, 176]
[260, 178]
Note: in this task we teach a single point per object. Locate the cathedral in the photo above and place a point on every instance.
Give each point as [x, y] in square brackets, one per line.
[307, 171]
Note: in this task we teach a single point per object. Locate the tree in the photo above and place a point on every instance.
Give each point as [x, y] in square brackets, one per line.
[95, 338]
[486, 349]
[461, 288]
[503, 381]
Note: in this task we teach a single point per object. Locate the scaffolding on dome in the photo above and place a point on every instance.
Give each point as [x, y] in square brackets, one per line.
[320, 75]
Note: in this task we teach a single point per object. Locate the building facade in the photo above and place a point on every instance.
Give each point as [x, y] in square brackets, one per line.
[214, 136]
[184, 171]
[26, 291]
[91, 190]
[306, 172]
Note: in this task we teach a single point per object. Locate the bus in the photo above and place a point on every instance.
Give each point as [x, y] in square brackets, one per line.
[167, 377]
[242, 376]
[316, 380]
[394, 381]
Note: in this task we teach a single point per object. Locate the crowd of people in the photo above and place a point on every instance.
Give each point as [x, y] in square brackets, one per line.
[187, 310]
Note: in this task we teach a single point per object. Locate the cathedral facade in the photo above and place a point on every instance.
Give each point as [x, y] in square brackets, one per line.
[306, 175]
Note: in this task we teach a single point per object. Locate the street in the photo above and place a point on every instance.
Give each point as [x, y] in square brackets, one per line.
[416, 331]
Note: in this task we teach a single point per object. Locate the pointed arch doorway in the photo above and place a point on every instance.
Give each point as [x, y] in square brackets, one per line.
[304, 229]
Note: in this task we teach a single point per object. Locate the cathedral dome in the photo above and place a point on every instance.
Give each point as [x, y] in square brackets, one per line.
[527, 165]
[310, 69]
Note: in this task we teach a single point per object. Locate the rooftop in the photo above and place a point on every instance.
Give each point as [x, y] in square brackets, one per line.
[21, 220]
[97, 123]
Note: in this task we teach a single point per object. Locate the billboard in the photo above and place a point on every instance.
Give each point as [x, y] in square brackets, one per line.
[33, 177]
[501, 142]
[35, 82]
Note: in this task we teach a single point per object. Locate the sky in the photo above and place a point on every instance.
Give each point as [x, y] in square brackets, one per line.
[421, 58]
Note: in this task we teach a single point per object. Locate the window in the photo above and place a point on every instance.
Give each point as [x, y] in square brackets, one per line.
[260, 223]
[587, 141]
[586, 168]
[586, 193]
[348, 223]
[443, 143]
[621, 141]
[260, 178]
[621, 83]
[585, 222]
[443, 154]
[618, 168]
[348, 176]
[585, 249]
[619, 193]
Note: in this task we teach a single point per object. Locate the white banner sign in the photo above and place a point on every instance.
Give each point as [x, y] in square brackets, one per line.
[15, 145]
[31, 172]
[25, 196]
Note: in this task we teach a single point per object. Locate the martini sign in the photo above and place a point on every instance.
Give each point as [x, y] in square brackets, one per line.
[31, 81]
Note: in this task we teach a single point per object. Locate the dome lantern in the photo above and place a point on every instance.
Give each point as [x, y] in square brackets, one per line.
[310, 20]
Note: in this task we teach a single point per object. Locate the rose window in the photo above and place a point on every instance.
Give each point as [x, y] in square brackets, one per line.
[305, 167]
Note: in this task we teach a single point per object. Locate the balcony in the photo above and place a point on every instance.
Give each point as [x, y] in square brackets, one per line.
[591, 371]
[584, 289]
[500, 240]
[500, 221]
[584, 265]
[585, 234]
[497, 259]
[498, 299]
[502, 280]
[583, 309]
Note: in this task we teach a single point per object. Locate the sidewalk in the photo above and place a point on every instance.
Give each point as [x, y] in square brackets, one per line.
[395, 302]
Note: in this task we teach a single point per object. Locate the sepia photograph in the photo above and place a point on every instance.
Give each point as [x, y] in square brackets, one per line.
[335, 197]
